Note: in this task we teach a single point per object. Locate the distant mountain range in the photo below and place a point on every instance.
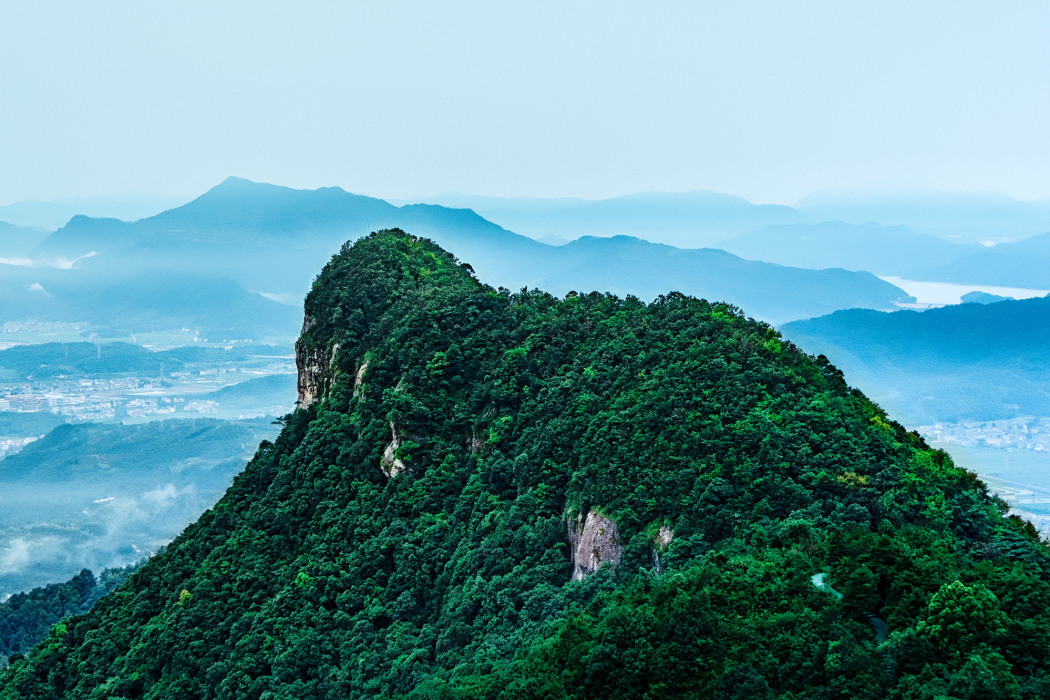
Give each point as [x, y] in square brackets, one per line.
[624, 265]
[18, 241]
[916, 235]
[884, 250]
[101, 495]
[120, 299]
[686, 219]
[704, 218]
[243, 241]
[88, 360]
[963, 362]
[50, 215]
[1022, 264]
[267, 238]
[966, 217]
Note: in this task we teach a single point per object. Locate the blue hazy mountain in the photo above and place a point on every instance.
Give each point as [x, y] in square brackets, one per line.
[18, 241]
[967, 217]
[1022, 264]
[884, 250]
[273, 239]
[961, 362]
[268, 238]
[118, 301]
[275, 391]
[982, 298]
[685, 219]
[101, 495]
[50, 215]
[625, 265]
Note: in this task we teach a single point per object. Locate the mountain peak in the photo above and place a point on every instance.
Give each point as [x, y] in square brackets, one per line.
[239, 187]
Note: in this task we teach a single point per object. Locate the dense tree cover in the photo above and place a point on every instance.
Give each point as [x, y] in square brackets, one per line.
[26, 618]
[319, 575]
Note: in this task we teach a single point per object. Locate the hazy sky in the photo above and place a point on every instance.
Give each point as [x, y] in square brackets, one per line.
[768, 100]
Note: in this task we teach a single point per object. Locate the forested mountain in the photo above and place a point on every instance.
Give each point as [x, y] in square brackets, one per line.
[26, 618]
[968, 361]
[497, 495]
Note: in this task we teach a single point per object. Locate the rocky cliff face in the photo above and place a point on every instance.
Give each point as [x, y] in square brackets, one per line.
[315, 367]
[390, 464]
[593, 541]
[359, 378]
[309, 361]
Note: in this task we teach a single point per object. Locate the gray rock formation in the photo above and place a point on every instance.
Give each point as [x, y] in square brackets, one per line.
[359, 378]
[593, 541]
[390, 464]
[660, 544]
[310, 364]
[316, 368]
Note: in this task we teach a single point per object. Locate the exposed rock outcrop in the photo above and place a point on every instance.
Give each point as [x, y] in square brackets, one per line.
[660, 544]
[359, 378]
[390, 464]
[309, 361]
[593, 541]
[316, 368]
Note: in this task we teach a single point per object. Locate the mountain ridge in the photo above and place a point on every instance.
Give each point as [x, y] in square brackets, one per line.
[965, 361]
[281, 236]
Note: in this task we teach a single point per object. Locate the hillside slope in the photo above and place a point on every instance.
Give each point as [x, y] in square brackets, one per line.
[1022, 264]
[961, 362]
[103, 495]
[488, 494]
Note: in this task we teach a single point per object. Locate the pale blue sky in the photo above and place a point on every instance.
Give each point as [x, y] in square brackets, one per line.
[400, 99]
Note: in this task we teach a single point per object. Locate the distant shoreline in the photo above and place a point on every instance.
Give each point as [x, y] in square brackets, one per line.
[944, 293]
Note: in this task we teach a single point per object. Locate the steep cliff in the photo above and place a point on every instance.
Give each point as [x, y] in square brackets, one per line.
[589, 497]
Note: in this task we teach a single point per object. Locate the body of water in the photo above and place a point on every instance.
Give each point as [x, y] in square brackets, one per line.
[944, 293]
